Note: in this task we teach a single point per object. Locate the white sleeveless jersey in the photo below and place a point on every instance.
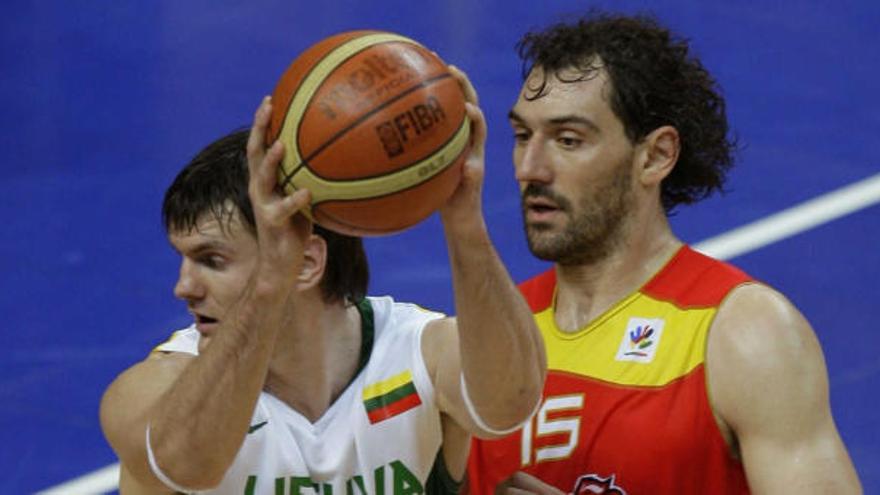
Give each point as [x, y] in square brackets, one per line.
[381, 436]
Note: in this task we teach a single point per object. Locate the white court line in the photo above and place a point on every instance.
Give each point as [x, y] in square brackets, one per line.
[95, 483]
[736, 242]
[794, 220]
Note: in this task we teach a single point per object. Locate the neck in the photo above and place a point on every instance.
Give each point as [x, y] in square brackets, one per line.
[316, 356]
[586, 291]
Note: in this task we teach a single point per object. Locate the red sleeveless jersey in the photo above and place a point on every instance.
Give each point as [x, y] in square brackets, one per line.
[625, 407]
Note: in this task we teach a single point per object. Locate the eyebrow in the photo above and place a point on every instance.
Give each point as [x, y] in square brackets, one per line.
[209, 246]
[561, 120]
[201, 248]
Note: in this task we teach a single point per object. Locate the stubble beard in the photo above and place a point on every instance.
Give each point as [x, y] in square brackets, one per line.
[594, 229]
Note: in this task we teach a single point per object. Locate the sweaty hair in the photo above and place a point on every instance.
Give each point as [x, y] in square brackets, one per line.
[217, 178]
[655, 81]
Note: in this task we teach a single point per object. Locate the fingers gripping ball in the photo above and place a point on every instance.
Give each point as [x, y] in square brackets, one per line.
[374, 125]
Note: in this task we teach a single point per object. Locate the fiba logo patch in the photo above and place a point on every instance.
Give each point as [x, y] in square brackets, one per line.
[640, 340]
[590, 484]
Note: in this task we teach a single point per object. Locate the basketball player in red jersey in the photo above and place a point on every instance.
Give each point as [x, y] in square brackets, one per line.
[669, 372]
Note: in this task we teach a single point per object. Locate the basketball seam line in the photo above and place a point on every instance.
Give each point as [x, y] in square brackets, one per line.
[288, 177]
[335, 137]
[412, 186]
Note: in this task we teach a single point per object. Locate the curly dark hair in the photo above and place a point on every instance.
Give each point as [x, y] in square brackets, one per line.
[218, 177]
[655, 81]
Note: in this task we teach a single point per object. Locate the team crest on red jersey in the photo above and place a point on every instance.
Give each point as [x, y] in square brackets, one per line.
[590, 484]
[641, 339]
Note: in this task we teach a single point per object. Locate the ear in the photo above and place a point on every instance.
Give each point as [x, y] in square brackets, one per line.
[313, 263]
[660, 150]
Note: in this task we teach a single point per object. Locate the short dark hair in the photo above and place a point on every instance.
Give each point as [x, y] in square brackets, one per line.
[218, 177]
[655, 81]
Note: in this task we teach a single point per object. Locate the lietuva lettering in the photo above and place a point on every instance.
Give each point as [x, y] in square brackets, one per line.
[368, 84]
[401, 481]
[403, 127]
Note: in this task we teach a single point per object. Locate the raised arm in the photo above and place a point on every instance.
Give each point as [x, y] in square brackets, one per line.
[191, 414]
[493, 344]
[769, 384]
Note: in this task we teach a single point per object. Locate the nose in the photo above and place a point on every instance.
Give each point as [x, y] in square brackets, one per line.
[188, 287]
[532, 163]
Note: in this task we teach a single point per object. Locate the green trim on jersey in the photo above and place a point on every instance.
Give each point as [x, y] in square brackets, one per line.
[368, 334]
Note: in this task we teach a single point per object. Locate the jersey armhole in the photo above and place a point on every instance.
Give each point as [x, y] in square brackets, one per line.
[420, 369]
[440, 481]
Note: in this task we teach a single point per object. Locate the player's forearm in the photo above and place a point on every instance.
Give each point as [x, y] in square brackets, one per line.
[828, 477]
[198, 426]
[815, 463]
[502, 353]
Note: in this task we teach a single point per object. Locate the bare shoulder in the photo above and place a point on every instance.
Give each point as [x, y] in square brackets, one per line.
[146, 379]
[439, 344]
[769, 388]
[761, 344]
[128, 399]
[758, 324]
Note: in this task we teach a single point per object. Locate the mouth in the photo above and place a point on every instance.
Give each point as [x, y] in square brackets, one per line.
[540, 209]
[205, 324]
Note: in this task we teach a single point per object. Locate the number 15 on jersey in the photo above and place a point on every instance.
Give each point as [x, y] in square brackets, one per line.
[559, 417]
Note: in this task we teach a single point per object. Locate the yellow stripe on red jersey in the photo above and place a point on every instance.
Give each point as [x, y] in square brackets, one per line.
[625, 406]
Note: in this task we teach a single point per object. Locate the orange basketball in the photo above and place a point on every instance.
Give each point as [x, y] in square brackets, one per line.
[374, 125]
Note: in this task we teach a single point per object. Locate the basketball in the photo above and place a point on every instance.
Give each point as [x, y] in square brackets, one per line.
[374, 125]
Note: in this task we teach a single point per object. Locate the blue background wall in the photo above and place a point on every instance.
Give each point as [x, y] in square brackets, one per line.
[103, 102]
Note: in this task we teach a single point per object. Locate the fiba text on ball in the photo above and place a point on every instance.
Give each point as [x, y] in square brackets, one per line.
[396, 132]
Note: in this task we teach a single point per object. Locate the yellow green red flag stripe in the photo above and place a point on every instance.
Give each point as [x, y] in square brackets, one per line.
[390, 397]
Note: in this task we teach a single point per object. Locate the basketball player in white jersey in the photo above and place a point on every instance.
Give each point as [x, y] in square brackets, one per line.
[290, 380]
